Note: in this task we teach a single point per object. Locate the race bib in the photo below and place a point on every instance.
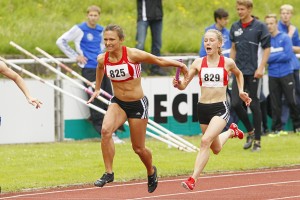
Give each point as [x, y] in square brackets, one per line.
[212, 77]
[118, 72]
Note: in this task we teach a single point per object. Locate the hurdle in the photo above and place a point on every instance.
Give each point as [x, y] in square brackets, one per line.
[90, 92]
[81, 100]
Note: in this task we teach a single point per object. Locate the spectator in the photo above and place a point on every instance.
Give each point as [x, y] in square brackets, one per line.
[264, 111]
[150, 14]
[281, 79]
[212, 108]
[123, 66]
[87, 38]
[9, 73]
[262, 98]
[284, 25]
[246, 34]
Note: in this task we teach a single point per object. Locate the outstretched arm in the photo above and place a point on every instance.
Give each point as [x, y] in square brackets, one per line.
[182, 84]
[99, 77]
[9, 73]
[139, 56]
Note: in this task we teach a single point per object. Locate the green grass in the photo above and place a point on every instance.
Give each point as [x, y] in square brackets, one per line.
[26, 166]
[32, 23]
[38, 23]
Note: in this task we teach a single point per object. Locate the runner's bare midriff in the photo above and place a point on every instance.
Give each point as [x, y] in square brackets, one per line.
[128, 90]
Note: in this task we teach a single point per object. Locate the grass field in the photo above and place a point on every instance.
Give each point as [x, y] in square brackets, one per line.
[38, 23]
[27, 166]
[32, 23]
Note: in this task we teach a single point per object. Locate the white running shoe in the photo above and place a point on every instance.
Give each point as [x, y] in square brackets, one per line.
[116, 139]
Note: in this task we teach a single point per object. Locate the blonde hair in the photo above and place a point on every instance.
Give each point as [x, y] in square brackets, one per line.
[219, 37]
[93, 8]
[247, 3]
[271, 16]
[287, 7]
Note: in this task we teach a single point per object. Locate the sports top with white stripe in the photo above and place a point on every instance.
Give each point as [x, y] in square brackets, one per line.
[123, 70]
[213, 76]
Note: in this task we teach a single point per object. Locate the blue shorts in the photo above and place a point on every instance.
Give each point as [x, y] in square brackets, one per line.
[206, 111]
[134, 109]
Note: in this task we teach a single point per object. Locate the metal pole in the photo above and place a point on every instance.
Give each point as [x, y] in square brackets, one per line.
[59, 122]
[62, 118]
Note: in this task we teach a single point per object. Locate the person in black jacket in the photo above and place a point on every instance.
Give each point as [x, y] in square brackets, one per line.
[245, 35]
[150, 14]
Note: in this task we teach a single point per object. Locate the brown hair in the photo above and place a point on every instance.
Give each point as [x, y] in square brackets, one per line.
[93, 8]
[219, 37]
[247, 3]
[220, 13]
[117, 28]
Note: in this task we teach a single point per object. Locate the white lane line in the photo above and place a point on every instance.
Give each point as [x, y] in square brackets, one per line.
[161, 181]
[213, 190]
[291, 197]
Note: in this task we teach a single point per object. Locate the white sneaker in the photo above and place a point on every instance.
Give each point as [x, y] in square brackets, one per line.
[116, 139]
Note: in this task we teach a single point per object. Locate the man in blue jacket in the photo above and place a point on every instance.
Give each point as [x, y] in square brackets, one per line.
[88, 42]
[281, 78]
[284, 25]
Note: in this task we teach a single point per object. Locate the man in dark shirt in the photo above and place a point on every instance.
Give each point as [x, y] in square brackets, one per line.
[246, 35]
[150, 14]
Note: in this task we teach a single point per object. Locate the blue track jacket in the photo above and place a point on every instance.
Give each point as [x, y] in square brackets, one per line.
[281, 55]
[295, 42]
[88, 42]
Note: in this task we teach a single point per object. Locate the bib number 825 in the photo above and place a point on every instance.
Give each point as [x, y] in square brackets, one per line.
[117, 73]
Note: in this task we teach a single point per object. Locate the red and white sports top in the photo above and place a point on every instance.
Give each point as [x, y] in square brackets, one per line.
[213, 76]
[123, 70]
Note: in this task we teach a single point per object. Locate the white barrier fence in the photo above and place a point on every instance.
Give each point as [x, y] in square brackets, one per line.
[21, 123]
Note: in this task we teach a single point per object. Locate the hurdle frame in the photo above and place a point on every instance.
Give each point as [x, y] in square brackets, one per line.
[58, 110]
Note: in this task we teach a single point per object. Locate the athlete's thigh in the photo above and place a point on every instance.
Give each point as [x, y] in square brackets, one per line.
[138, 131]
[213, 130]
[115, 117]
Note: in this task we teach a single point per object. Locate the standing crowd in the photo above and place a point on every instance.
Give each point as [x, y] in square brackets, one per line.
[260, 47]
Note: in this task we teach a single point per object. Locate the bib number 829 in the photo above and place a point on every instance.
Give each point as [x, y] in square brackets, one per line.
[212, 77]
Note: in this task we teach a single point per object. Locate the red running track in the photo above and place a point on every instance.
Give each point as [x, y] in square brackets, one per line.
[275, 184]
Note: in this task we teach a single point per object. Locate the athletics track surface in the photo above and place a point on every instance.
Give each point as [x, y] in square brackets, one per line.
[279, 183]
